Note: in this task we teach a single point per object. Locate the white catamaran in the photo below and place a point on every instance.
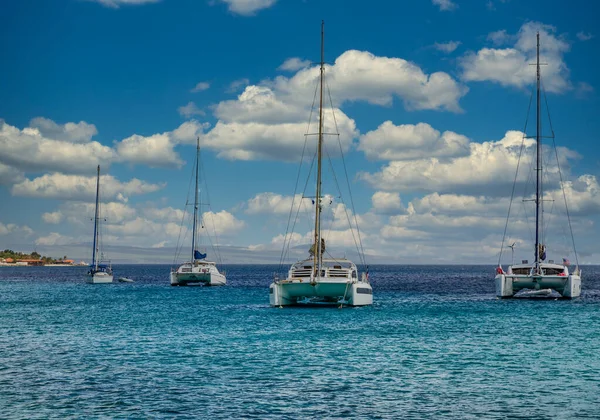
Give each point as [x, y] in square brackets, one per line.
[538, 278]
[100, 271]
[198, 270]
[318, 280]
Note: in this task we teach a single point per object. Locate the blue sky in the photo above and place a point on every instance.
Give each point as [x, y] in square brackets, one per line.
[429, 96]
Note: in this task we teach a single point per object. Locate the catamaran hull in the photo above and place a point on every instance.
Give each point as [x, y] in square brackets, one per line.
[286, 293]
[98, 278]
[508, 285]
[206, 279]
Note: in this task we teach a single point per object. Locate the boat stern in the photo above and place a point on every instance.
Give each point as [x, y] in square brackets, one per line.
[504, 286]
[277, 296]
[361, 294]
[572, 287]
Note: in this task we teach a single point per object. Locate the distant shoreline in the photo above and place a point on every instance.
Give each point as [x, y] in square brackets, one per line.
[42, 265]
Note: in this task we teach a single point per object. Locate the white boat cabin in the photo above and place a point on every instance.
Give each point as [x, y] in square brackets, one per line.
[342, 269]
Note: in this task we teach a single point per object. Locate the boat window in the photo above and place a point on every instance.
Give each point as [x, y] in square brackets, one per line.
[337, 266]
[353, 274]
[364, 291]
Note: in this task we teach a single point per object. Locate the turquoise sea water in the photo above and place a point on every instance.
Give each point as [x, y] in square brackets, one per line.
[436, 344]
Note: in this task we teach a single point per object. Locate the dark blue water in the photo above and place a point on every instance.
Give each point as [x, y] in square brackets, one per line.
[435, 344]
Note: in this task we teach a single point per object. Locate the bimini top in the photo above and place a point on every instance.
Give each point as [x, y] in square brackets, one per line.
[198, 262]
[325, 263]
[548, 269]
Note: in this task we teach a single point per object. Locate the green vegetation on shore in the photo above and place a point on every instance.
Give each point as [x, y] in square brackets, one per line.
[9, 253]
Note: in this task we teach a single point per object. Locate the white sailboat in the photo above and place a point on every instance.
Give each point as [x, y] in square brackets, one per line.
[538, 278]
[198, 270]
[100, 270]
[318, 280]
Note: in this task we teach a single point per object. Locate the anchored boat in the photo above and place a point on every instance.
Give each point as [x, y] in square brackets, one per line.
[536, 278]
[197, 270]
[100, 270]
[317, 280]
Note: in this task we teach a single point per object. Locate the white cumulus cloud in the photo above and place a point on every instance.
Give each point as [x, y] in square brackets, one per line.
[54, 238]
[81, 188]
[271, 203]
[201, 86]
[386, 202]
[9, 228]
[157, 150]
[247, 7]
[222, 222]
[115, 4]
[70, 150]
[447, 47]
[294, 64]
[511, 66]
[445, 5]
[488, 167]
[408, 141]
[190, 110]
[53, 218]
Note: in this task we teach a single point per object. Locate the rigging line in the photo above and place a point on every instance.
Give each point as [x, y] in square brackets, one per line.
[289, 242]
[361, 257]
[330, 226]
[548, 220]
[512, 195]
[562, 186]
[527, 222]
[203, 225]
[362, 252]
[298, 177]
[287, 228]
[331, 257]
[179, 246]
[214, 247]
[547, 108]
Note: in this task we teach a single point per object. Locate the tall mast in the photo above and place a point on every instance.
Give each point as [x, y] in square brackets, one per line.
[196, 201]
[538, 139]
[96, 216]
[317, 244]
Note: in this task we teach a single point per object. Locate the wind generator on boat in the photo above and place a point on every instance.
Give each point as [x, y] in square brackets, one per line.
[539, 277]
[198, 270]
[100, 270]
[316, 279]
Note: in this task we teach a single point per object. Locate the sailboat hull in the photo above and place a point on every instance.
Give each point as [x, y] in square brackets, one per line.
[541, 276]
[99, 277]
[508, 285]
[320, 292]
[197, 275]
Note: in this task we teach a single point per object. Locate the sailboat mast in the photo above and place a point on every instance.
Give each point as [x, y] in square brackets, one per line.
[538, 139]
[317, 244]
[96, 216]
[196, 201]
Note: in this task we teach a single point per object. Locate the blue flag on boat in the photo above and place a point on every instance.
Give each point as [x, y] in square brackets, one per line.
[198, 255]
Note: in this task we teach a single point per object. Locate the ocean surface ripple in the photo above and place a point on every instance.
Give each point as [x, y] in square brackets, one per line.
[435, 344]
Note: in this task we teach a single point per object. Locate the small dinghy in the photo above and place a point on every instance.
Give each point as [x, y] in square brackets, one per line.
[125, 280]
[535, 293]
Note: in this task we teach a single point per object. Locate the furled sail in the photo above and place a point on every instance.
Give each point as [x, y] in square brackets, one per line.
[312, 251]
